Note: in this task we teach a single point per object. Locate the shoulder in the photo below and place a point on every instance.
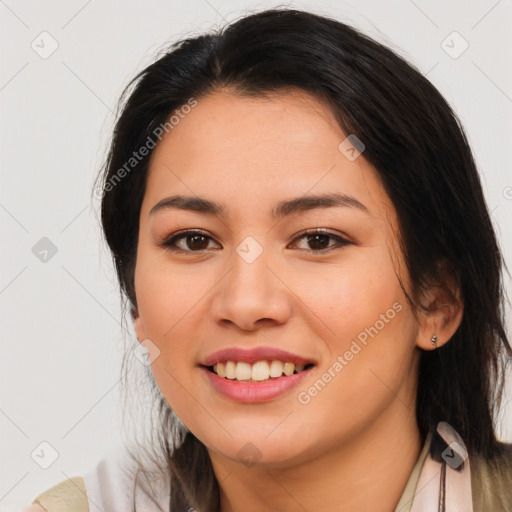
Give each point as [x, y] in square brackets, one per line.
[67, 496]
[116, 483]
[491, 481]
[119, 483]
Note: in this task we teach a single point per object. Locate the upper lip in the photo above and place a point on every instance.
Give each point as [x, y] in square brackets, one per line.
[254, 355]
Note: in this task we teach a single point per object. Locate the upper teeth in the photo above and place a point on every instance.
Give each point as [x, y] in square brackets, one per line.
[261, 370]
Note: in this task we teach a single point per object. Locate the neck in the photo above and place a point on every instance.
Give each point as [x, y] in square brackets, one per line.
[367, 472]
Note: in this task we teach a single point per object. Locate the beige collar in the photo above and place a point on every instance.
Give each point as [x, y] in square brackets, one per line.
[441, 478]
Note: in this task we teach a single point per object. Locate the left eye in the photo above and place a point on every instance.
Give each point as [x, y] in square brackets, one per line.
[318, 237]
[198, 241]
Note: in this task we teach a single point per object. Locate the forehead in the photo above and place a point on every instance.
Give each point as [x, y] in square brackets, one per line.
[246, 150]
[226, 124]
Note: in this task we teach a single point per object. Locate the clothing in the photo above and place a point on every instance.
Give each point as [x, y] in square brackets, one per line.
[114, 485]
[471, 484]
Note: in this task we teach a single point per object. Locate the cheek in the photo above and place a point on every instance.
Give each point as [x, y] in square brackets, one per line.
[367, 322]
[166, 295]
[167, 309]
[168, 314]
[351, 297]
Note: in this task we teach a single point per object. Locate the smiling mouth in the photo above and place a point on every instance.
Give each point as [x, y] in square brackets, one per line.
[257, 372]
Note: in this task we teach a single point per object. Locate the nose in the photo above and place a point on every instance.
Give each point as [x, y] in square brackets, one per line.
[251, 295]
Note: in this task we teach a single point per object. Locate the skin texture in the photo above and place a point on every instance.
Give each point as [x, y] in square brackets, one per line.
[352, 447]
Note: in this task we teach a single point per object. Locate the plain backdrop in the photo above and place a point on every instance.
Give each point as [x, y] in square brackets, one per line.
[64, 65]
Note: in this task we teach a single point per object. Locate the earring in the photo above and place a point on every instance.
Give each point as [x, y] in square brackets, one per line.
[434, 340]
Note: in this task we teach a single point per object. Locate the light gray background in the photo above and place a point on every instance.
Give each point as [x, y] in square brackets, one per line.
[61, 338]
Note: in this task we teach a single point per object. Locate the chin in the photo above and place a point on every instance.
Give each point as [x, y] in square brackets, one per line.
[263, 452]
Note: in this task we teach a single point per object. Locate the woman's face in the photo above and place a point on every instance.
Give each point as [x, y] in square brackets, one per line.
[253, 280]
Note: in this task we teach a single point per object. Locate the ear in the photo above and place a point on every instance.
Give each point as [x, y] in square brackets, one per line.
[440, 314]
[138, 326]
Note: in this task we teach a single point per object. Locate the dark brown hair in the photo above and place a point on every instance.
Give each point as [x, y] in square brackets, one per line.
[419, 149]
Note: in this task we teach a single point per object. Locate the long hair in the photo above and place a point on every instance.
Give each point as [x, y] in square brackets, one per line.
[419, 149]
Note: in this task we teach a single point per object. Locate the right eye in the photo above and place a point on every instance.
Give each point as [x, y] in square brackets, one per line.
[194, 239]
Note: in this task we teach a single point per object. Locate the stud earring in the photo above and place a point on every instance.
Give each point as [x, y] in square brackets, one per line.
[434, 341]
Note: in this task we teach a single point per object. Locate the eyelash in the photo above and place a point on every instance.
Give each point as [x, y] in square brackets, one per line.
[169, 243]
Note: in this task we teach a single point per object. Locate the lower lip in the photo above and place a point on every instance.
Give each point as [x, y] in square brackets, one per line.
[253, 392]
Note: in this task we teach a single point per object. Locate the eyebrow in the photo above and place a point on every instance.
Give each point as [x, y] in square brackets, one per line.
[280, 210]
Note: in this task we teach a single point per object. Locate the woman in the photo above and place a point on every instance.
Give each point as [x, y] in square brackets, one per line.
[298, 226]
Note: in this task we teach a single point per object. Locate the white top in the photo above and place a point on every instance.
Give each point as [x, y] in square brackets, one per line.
[114, 486]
